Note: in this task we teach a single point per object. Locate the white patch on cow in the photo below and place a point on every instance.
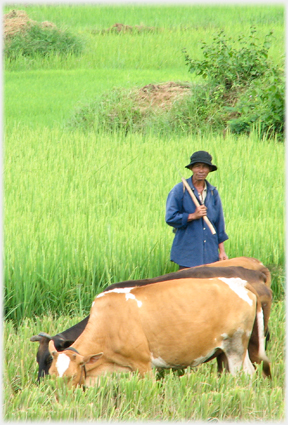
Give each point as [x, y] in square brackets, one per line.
[62, 364]
[202, 359]
[260, 323]
[247, 365]
[93, 303]
[117, 291]
[122, 291]
[159, 362]
[132, 297]
[234, 350]
[239, 287]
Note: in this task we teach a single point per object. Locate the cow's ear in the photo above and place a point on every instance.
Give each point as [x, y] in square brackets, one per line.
[52, 349]
[92, 359]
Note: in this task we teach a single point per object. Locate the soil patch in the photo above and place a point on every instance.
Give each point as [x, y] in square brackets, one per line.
[161, 96]
[121, 28]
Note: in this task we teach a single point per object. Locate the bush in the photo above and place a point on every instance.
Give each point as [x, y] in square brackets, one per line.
[245, 86]
[43, 41]
[229, 66]
[262, 104]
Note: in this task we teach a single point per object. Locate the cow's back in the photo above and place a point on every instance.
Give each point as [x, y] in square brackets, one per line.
[247, 262]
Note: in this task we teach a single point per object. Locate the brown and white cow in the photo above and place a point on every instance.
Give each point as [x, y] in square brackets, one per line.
[251, 270]
[170, 324]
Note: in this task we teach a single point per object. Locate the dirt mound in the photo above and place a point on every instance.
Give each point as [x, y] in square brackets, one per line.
[15, 21]
[161, 96]
[117, 28]
[18, 21]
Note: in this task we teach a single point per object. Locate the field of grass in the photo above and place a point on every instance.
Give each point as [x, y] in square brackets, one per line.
[82, 211]
[90, 210]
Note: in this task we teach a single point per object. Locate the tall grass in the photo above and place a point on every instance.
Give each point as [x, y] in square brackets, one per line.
[84, 211]
[197, 395]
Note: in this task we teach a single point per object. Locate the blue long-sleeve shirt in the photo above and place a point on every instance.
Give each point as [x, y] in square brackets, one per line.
[194, 244]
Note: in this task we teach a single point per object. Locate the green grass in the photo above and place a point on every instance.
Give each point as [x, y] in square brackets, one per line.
[90, 210]
[45, 91]
[82, 210]
[89, 17]
[175, 28]
[49, 97]
[197, 395]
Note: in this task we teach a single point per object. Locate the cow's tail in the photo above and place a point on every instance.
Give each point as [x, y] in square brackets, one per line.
[259, 334]
[261, 338]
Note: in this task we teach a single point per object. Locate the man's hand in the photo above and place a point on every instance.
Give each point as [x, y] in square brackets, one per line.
[222, 253]
[200, 212]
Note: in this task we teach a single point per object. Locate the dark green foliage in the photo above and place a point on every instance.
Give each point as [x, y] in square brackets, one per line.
[229, 66]
[243, 86]
[42, 41]
[263, 103]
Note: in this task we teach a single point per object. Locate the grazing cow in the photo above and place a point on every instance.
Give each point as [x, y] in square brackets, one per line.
[257, 277]
[170, 324]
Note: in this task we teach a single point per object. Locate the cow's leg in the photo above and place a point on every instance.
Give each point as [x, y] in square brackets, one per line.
[247, 365]
[235, 348]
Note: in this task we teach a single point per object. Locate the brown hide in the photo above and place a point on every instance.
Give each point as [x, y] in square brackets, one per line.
[177, 323]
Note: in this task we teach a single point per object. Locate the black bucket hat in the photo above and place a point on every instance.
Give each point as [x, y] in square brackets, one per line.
[203, 157]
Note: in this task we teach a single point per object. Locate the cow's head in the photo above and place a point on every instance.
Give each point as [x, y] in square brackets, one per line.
[44, 358]
[71, 365]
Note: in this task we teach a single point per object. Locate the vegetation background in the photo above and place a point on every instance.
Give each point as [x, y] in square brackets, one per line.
[85, 208]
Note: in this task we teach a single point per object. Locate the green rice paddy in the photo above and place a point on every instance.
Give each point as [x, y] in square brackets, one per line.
[84, 210]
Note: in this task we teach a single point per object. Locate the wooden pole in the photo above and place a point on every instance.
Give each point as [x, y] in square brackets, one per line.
[195, 200]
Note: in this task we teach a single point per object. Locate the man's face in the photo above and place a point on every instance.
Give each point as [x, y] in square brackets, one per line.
[200, 171]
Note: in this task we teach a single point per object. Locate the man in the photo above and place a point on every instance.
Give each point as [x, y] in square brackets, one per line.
[194, 244]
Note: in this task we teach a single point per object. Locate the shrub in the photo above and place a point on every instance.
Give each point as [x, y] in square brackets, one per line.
[241, 81]
[262, 104]
[229, 66]
[43, 41]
